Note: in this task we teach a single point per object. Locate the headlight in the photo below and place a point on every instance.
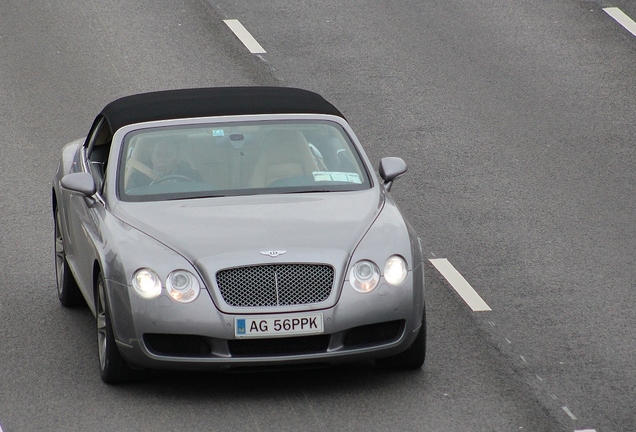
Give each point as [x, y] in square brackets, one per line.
[395, 270]
[364, 276]
[183, 286]
[146, 283]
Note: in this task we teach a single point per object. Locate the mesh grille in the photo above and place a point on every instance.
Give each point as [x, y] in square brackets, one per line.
[274, 347]
[373, 333]
[275, 285]
[177, 345]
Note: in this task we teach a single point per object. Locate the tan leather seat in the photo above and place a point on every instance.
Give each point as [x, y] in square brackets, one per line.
[285, 154]
[212, 157]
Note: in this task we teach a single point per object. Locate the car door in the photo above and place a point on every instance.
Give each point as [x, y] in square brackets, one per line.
[86, 213]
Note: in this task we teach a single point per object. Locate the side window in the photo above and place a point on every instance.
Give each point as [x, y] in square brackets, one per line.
[97, 150]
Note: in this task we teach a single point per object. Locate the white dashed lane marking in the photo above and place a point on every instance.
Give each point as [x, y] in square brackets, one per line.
[244, 36]
[569, 413]
[459, 284]
[622, 18]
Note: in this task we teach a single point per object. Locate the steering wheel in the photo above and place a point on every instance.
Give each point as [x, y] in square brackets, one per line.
[173, 177]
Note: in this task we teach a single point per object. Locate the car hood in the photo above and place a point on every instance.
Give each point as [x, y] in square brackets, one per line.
[214, 233]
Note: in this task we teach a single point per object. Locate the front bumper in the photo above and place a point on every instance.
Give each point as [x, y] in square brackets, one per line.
[163, 334]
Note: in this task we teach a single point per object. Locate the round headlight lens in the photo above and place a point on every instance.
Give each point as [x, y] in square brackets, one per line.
[395, 271]
[364, 276]
[183, 286]
[146, 283]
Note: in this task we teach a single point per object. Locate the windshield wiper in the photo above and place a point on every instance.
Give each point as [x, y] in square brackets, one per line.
[309, 191]
[194, 197]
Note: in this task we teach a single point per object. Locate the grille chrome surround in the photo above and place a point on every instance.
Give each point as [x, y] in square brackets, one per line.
[275, 284]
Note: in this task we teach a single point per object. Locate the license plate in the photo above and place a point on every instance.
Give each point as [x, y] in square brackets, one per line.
[278, 325]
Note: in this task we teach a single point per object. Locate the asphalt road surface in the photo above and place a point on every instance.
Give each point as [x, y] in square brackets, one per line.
[518, 122]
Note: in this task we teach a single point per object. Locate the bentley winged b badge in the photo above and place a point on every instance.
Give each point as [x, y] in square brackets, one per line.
[273, 253]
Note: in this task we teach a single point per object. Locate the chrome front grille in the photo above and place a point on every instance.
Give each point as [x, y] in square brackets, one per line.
[275, 285]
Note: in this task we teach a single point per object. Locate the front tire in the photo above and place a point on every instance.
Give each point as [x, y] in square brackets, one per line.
[112, 366]
[412, 358]
[67, 290]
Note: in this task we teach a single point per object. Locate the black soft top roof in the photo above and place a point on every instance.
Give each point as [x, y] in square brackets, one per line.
[214, 101]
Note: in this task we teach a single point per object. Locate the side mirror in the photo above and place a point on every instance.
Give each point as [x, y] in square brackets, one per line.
[82, 183]
[390, 169]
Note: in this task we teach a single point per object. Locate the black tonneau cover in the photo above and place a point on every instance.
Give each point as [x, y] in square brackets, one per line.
[214, 101]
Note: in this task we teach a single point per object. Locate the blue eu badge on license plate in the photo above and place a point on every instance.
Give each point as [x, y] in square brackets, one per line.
[240, 326]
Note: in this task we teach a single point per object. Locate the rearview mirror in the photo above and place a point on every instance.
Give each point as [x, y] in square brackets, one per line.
[390, 169]
[82, 183]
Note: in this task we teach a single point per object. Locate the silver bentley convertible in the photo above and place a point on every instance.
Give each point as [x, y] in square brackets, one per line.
[235, 227]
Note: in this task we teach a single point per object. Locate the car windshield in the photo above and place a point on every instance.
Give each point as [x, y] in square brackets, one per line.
[240, 158]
